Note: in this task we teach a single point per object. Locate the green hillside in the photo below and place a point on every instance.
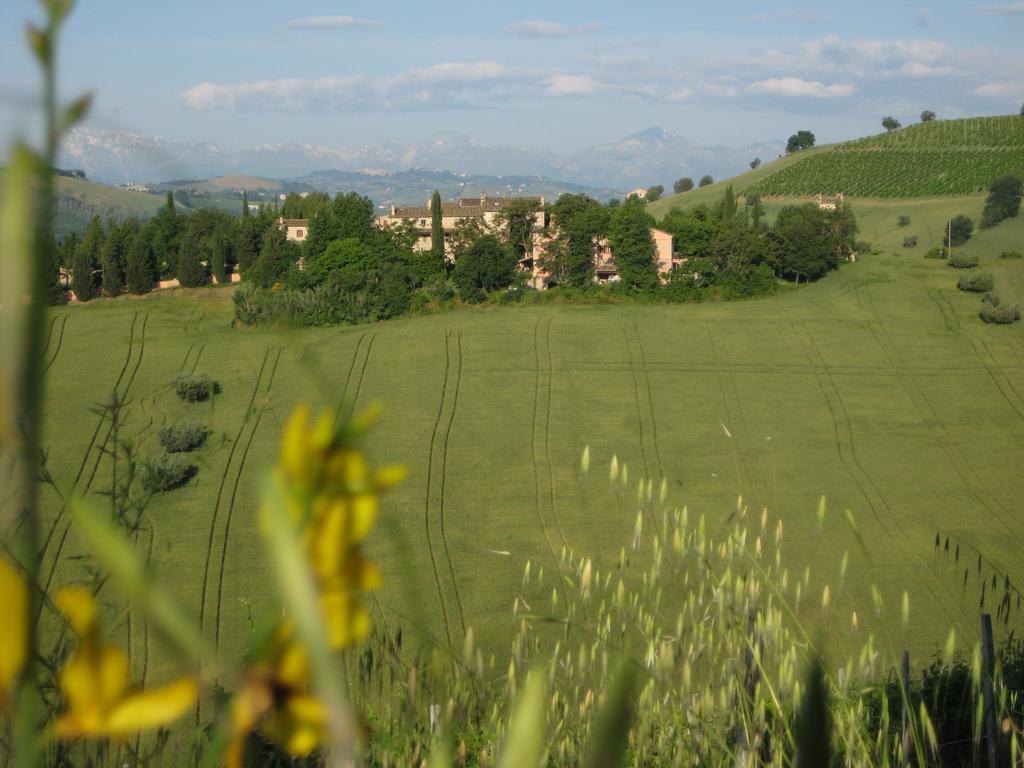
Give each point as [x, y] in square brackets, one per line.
[79, 200]
[948, 157]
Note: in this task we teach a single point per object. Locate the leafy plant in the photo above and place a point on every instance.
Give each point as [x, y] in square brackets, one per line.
[194, 387]
[910, 241]
[962, 261]
[182, 437]
[166, 472]
[975, 282]
[1013, 255]
[1001, 314]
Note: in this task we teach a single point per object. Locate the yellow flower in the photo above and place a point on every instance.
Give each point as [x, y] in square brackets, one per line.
[13, 630]
[95, 680]
[333, 494]
[275, 698]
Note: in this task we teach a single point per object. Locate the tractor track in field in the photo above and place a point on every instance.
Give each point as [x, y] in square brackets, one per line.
[534, 439]
[234, 493]
[843, 431]
[743, 475]
[246, 417]
[552, 496]
[57, 349]
[991, 367]
[102, 450]
[444, 483]
[759, 483]
[650, 398]
[940, 435]
[636, 402]
[426, 501]
[365, 352]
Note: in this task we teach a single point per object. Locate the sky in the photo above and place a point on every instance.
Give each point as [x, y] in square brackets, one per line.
[557, 75]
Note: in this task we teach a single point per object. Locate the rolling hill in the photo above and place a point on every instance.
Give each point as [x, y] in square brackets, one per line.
[946, 158]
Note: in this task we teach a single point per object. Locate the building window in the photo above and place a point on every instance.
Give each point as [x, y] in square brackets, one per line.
[300, 234]
[423, 222]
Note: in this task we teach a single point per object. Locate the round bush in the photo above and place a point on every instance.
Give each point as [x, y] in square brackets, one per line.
[910, 241]
[1000, 315]
[194, 387]
[976, 282]
[166, 472]
[182, 437]
[991, 299]
[962, 261]
[938, 252]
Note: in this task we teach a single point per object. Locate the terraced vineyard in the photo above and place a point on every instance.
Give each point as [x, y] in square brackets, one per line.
[949, 157]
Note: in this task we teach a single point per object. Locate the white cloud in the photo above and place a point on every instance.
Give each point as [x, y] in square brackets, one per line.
[1009, 9]
[332, 22]
[798, 87]
[1004, 90]
[572, 85]
[538, 28]
[461, 70]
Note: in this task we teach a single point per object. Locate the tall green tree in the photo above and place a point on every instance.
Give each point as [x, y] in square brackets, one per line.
[245, 204]
[437, 227]
[654, 193]
[728, 204]
[191, 271]
[706, 180]
[112, 263]
[166, 230]
[55, 294]
[684, 184]
[86, 261]
[487, 265]
[799, 141]
[349, 215]
[806, 242]
[890, 124]
[276, 258]
[219, 256]
[1003, 201]
[629, 234]
[140, 265]
[518, 220]
[580, 222]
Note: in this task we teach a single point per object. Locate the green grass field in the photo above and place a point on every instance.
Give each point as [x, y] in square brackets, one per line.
[877, 387]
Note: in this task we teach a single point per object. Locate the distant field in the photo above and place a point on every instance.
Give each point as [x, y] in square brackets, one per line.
[877, 387]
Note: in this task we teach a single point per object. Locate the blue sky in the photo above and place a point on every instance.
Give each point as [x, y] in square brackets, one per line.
[559, 74]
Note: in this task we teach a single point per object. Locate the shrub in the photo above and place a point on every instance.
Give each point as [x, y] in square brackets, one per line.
[962, 261]
[991, 299]
[938, 252]
[904, 221]
[960, 230]
[910, 241]
[166, 472]
[975, 282]
[1011, 255]
[194, 387]
[1003, 314]
[1004, 196]
[182, 437]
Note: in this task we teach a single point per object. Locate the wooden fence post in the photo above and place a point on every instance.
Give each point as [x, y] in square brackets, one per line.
[908, 733]
[988, 670]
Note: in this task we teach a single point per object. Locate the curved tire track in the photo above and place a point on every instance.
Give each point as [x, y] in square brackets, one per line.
[444, 483]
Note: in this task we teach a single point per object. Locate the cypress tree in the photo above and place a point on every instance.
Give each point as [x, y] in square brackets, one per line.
[111, 263]
[218, 257]
[629, 233]
[436, 227]
[245, 204]
[140, 266]
[55, 294]
[86, 259]
[729, 205]
[191, 271]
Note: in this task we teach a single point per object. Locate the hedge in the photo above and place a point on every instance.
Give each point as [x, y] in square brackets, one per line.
[976, 282]
[166, 472]
[182, 437]
[194, 387]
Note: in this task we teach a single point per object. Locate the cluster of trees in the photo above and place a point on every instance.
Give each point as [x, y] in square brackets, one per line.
[112, 257]
[730, 247]
[1003, 202]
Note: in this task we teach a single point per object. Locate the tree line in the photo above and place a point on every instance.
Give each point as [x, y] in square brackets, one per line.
[349, 270]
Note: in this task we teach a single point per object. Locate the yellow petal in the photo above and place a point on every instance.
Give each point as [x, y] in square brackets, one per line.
[93, 681]
[294, 442]
[347, 621]
[152, 709]
[14, 629]
[293, 666]
[385, 477]
[299, 726]
[323, 433]
[78, 605]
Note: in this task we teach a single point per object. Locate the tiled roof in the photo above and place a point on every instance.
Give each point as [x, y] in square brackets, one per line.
[467, 207]
[295, 222]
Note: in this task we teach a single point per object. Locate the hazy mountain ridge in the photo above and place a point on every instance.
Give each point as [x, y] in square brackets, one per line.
[654, 156]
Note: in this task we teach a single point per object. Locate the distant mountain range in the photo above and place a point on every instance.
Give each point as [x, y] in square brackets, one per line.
[650, 157]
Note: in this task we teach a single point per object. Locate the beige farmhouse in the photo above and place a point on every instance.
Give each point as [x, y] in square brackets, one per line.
[487, 209]
[484, 208]
[296, 230]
